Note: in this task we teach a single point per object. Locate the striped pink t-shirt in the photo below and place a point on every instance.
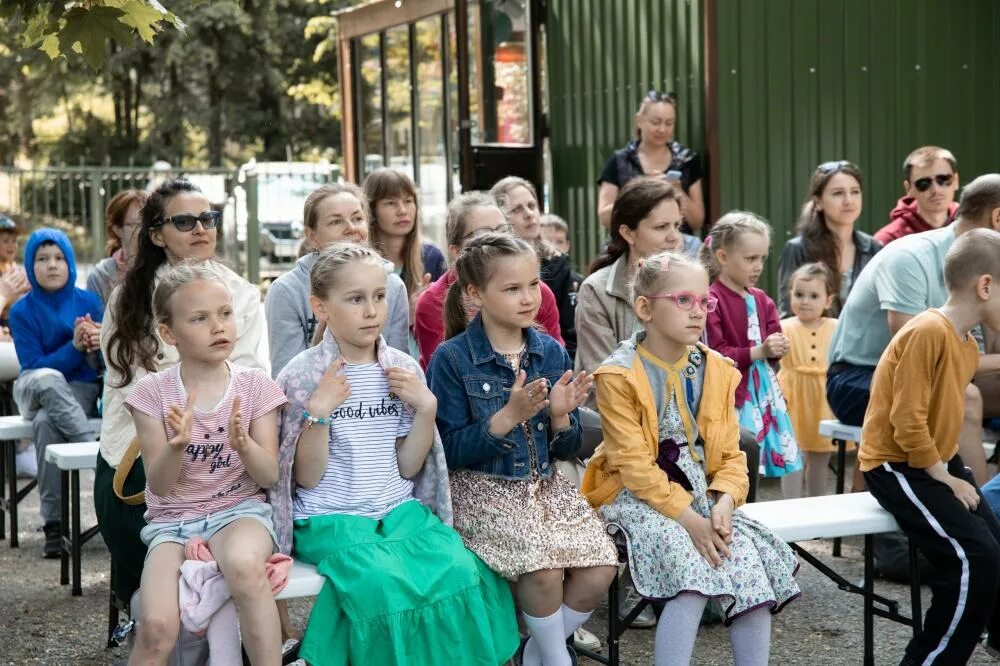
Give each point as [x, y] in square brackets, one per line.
[212, 476]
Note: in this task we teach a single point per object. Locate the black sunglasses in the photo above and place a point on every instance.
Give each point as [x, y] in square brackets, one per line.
[657, 96]
[186, 222]
[924, 184]
[831, 167]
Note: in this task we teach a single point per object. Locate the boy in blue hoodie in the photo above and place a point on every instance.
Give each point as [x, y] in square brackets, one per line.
[55, 329]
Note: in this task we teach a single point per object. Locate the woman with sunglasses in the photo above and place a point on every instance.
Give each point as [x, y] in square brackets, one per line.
[122, 218]
[827, 233]
[178, 224]
[930, 178]
[653, 152]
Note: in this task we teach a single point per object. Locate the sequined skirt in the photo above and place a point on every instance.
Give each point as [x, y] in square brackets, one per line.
[517, 527]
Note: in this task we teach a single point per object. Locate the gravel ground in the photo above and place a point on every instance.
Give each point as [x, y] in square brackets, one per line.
[45, 625]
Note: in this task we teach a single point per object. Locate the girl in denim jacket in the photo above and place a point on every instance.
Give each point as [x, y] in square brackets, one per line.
[507, 404]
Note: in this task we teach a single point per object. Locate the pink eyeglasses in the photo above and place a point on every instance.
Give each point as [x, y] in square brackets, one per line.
[686, 300]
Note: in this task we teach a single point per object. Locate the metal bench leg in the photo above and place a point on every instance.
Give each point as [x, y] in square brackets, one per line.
[869, 601]
[3, 493]
[614, 632]
[915, 611]
[113, 617]
[841, 471]
[76, 542]
[64, 528]
[11, 465]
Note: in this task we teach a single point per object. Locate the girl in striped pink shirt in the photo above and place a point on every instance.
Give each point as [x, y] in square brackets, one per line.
[208, 430]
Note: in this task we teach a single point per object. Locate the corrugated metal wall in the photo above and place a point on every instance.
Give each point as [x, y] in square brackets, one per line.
[799, 82]
[602, 57]
[805, 81]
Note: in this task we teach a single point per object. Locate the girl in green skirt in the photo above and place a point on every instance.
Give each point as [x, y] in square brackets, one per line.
[363, 489]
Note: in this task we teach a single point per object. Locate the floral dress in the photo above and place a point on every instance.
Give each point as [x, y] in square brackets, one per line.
[662, 558]
[765, 412]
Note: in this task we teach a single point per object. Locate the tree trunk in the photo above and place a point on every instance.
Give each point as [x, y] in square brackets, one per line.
[214, 120]
[26, 133]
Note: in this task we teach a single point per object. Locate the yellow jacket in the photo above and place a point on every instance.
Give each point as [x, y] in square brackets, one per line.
[627, 457]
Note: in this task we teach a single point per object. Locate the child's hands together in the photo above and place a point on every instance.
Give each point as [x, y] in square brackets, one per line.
[722, 517]
[179, 419]
[775, 346]
[527, 400]
[331, 392]
[86, 334]
[408, 387]
[706, 540]
[569, 393]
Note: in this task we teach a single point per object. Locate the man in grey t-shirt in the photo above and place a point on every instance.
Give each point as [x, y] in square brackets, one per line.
[900, 282]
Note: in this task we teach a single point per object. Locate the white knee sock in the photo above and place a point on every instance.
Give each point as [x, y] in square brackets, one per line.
[547, 645]
[750, 636]
[573, 620]
[677, 629]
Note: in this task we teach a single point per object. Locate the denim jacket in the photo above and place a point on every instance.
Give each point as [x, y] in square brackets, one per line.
[472, 382]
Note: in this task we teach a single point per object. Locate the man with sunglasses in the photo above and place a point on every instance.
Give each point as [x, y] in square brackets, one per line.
[930, 178]
[900, 282]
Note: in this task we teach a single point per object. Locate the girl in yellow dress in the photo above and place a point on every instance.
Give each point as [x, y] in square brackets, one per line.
[803, 370]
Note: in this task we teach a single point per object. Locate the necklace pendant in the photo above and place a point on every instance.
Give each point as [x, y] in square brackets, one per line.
[695, 357]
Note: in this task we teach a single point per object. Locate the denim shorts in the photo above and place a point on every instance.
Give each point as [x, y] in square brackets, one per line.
[182, 531]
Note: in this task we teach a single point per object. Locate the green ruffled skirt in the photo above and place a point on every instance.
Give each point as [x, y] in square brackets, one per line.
[402, 590]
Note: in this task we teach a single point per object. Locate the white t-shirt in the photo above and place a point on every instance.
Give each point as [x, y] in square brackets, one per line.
[362, 472]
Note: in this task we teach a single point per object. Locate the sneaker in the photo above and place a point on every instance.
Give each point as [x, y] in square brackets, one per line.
[53, 541]
[290, 651]
[585, 640]
[26, 464]
[628, 600]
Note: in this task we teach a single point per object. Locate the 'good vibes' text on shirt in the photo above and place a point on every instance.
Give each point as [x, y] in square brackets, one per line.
[361, 411]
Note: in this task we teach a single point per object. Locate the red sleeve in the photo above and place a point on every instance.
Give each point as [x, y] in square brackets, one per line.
[428, 324]
[772, 322]
[548, 315]
[717, 340]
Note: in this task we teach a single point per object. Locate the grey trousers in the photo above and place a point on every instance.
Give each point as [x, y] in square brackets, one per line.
[58, 411]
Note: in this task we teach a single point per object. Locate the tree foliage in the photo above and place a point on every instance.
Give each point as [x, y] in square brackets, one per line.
[203, 83]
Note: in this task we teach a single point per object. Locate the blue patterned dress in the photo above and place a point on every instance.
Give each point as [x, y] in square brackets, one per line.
[765, 412]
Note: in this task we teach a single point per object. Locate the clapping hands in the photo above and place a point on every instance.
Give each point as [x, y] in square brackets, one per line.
[86, 334]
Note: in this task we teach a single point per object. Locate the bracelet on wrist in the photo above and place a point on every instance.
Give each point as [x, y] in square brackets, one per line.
[311, 420]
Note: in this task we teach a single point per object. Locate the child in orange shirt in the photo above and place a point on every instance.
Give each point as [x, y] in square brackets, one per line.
[909, 453]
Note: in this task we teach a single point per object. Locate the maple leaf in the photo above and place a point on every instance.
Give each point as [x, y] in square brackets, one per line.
[90, 28]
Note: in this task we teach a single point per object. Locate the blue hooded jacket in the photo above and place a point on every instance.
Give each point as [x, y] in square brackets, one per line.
[41, 323]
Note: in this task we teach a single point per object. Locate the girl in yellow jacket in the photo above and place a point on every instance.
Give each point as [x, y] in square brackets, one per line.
[670, 473]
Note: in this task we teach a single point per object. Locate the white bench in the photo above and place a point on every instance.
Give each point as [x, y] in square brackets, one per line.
[70, 459]
[12, 430]
[835, 516]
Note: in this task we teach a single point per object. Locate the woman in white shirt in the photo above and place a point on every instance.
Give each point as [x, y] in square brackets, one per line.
[178, 224]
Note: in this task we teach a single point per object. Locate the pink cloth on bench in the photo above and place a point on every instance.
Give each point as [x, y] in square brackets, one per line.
[207, 606]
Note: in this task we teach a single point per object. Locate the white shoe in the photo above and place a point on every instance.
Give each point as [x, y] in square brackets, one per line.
[629, 600]
[585, 640]
[27, 464]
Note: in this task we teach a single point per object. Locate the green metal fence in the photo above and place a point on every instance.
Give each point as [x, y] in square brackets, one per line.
[75, 198]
